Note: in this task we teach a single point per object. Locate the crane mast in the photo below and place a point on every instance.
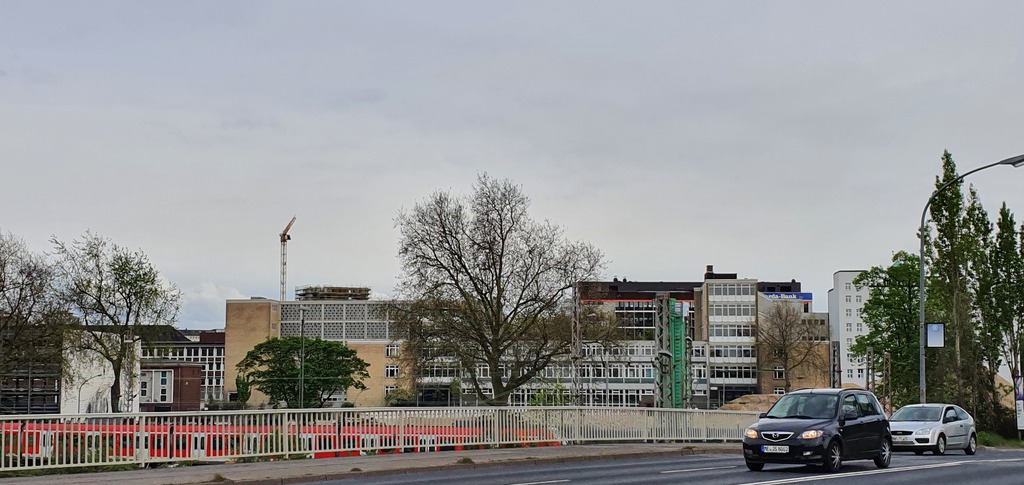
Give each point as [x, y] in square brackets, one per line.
[284, 257]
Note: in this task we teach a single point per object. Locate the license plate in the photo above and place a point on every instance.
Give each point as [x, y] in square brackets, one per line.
[774, 449]
[903, 439]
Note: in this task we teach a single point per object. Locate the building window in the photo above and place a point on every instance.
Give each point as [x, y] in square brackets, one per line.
[860, 326]
[860, 373]
[859, 299]
[391, 371]
[391, 350]
[849, 326]
[849, 342]
[848, 287]
[779, 372]
[388, 389]
[849, 373]
[849, 312]
[779, 390]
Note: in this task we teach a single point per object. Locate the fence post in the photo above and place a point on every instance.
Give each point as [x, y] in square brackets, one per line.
[141, 442]
[496, 433]
[577, 426]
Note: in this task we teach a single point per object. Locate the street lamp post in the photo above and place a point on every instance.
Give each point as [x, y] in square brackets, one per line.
[80, 391]
[1015, 162]
[302, 357]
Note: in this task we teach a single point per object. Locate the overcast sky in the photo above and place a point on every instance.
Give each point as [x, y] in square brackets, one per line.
[778, 140]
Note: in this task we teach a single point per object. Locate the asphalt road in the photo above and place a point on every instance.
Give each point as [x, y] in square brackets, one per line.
[988, 466]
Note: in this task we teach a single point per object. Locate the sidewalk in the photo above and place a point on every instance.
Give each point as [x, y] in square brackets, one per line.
[300, 471]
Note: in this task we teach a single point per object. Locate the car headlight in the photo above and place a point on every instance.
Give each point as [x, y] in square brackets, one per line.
[811, 434]
[923, 431]
[750, 433]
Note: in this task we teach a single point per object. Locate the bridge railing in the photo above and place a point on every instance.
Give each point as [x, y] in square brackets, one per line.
[59, 441]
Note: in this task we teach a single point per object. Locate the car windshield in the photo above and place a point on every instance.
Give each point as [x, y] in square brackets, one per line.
[917, 413]
[804, 406]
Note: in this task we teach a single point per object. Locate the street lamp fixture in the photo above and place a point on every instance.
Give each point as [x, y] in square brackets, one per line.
[80, 386]
[1015, 162]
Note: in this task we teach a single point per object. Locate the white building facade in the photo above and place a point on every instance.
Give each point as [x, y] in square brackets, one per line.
[730, 354]
[845, 304]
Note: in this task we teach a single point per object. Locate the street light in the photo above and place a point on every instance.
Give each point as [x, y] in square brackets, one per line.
[80, 391]
[302, 357]
[1015, 162]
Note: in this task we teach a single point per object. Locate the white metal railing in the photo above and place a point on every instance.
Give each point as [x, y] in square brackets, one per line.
[57, 441]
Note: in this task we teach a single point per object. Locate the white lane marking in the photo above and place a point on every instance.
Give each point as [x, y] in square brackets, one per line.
[540, 483]
[699, 469]
[857, 474]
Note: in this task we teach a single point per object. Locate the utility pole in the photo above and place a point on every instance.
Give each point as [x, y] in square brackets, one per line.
[577, 346]
[870, 364]
[887, 378]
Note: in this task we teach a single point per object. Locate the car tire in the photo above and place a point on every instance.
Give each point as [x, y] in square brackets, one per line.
[972, 445]
[755, 467]
[940, 445]
[833, 459]
[884, 454]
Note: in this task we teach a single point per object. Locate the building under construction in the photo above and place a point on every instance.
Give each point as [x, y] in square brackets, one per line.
[319, 292]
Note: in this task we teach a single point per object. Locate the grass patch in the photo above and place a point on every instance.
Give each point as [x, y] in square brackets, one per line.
[356, 469]
[465, 460]
[217, 477]
[988, 438]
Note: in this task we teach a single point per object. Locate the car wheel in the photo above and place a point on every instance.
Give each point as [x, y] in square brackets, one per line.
[940, 445]
[884, 454]
[833, 460]
[972, 445]
[918, 452]
[755, 467]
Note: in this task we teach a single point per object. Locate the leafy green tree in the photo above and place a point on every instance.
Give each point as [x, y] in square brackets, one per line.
[242, 389]
[965, 372]
[891, 314]
[399, 397]
[274, 367]
[1001, 293]
[115, 294]
[551, 394]
[488, 284]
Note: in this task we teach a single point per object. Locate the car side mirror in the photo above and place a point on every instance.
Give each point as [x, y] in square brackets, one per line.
[762, 415]
[849, 414]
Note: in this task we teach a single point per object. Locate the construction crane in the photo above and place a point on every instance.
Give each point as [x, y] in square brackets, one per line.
[284, 257]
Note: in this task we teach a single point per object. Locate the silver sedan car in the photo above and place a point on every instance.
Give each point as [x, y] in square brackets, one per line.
[933, 427]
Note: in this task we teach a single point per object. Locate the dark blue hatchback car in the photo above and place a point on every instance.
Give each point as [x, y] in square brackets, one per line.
[820, 427]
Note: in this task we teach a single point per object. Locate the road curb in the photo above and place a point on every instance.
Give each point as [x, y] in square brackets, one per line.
[341, 475]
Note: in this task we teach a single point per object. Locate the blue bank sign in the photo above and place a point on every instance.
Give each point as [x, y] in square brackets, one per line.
[788, 296]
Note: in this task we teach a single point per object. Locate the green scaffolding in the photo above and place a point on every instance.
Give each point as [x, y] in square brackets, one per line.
[677, 334]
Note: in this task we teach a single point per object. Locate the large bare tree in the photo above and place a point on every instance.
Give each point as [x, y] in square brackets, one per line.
[789, 340]
[114, 293]
[487, 284]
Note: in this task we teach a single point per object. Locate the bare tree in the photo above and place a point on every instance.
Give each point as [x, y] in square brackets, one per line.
[789, 340]
[488, 284]
[114, 293]
[31, 318]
